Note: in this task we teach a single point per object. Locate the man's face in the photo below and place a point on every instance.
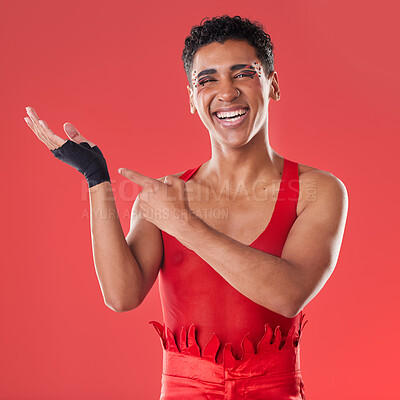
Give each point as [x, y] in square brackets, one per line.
[228, 78]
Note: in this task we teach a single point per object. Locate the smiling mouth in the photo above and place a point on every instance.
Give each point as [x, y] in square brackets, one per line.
[231, 119]
[231, 116]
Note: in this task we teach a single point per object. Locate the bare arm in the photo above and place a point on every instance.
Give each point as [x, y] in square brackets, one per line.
[145, 242]
[117, 270]
[126, 267]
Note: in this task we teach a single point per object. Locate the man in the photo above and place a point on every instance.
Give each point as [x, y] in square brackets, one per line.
[233, 284]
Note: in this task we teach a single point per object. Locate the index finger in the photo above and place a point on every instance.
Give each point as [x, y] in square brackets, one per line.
[139, 178]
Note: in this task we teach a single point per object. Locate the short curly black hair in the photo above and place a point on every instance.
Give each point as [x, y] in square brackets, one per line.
[220, 29]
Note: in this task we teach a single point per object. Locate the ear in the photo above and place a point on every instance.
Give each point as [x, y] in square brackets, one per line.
[191, 102]
[275, 92]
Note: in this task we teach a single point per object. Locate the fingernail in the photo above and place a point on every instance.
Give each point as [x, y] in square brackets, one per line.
[120, 170]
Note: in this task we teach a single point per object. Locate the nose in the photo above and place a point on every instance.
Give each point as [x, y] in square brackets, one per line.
[227, 92]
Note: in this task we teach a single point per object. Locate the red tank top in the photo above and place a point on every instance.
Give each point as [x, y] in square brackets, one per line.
[193, 293]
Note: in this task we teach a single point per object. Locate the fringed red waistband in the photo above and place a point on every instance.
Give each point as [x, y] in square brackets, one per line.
[272, 341]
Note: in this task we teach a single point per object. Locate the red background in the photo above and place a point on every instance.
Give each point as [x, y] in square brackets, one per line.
[113, 69]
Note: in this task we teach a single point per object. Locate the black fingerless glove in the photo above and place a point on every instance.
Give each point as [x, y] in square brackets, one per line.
[89, 161]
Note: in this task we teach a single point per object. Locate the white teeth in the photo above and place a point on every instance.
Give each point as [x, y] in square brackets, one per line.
[235, 119]
[231, 113]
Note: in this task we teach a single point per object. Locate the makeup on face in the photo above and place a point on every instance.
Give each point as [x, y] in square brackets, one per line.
[255, 68]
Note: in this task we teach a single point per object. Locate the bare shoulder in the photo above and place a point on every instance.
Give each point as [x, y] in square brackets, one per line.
[316, 184]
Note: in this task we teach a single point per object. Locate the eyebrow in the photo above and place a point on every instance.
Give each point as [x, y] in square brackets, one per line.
[234, 67]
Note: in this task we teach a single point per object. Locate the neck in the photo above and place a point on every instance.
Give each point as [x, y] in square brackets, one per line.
[244, 165]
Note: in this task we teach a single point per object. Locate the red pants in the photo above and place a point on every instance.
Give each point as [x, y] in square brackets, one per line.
[273, 372]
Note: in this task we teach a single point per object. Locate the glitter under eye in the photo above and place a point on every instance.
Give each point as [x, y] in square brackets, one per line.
[194, 79]
[257, 66]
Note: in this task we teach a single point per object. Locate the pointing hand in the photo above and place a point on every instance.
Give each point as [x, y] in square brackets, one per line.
[165, 203]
